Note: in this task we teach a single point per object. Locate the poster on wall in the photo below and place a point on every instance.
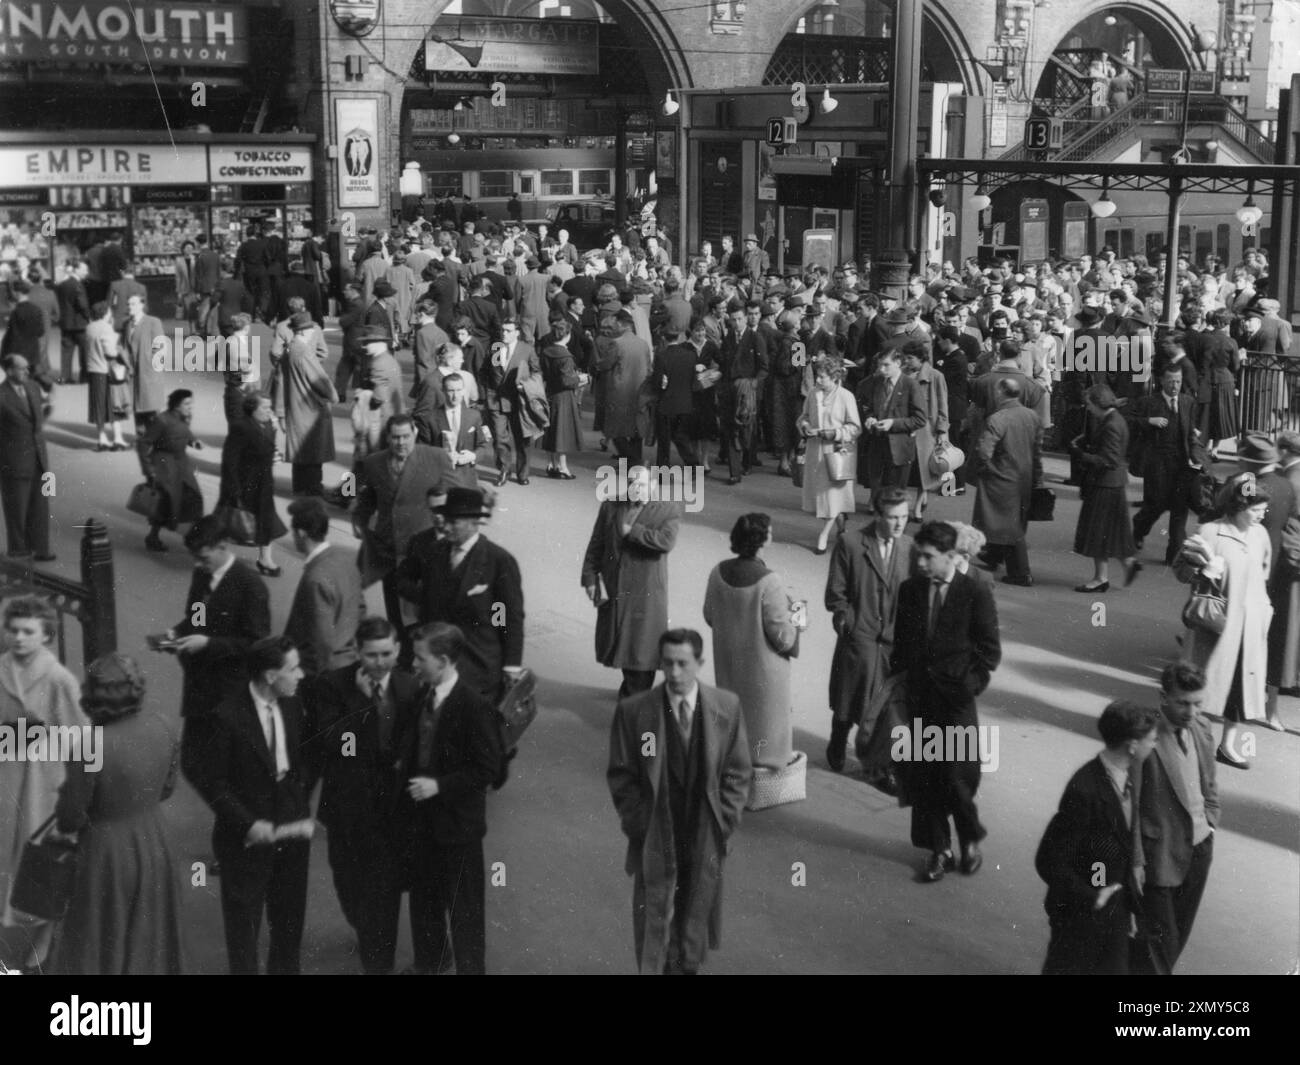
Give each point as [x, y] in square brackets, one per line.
[357, 133]
[766, 180]
[666, 154]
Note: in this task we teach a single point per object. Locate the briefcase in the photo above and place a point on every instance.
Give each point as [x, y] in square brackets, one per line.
[145, 500]
[240, 524]
[518, 708]
[47, 874]
[1042, 504]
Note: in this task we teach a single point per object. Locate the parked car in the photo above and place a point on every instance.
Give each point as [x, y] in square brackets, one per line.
[590, 222]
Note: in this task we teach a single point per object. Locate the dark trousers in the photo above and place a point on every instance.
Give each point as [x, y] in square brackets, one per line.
[1087, 942]
[509, 445]
[259, 291]
[1016, 557]
[737, 439]
[449, 879]
[630, 448]
[276, 882]
[368, 882]
[1171, 911]
[676, 429]
[27, 515]
[72, 349]
[1164, 488]
[196, 733]
[636, 681]
[942, 790]
[308, 479]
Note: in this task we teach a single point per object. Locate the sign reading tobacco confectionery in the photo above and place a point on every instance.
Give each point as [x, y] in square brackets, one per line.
[104, 164]
[133, 31]
[518, 45]
[255, 165]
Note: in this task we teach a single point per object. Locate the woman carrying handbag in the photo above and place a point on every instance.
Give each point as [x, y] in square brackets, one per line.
[830, 424]
[1228, 615]
[247, 499]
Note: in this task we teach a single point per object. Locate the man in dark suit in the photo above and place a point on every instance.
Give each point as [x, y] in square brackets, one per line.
[867, 568]
[745, 362]
[499, 382]
[276, 252]
[946, 644]
[674, 372]
[1171, 453]
[119, 297]
[449, 753]
[892, 410]
[74, 317]
[462, 578]
[483, 312]
[452, 425]
[296, 284]
[112, 261]
[328, 604]
[24, 462]
[679, 774]
[256, 781]
[207, 278]
[392, 488]
[1178, 809]
[357, 714]
[429, 339]
[227, 610]
[1092, 834]
[250, 269]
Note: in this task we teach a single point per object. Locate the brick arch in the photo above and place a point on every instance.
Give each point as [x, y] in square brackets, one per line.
[1161, 22]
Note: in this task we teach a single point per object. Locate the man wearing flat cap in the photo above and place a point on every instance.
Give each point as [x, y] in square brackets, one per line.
[755, 260]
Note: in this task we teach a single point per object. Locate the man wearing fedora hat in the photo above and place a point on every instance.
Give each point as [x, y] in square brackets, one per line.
[755, 260]
[466, 580]
[379, 311]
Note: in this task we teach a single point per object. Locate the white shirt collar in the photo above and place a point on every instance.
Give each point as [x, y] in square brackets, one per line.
[364, 681]
[221, 571]
[692, 698]
[464, 549]
[261, 703]
[441, 691]
[320, 547]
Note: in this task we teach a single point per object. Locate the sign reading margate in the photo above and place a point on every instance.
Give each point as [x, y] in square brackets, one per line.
[101, 31]
[518, 46]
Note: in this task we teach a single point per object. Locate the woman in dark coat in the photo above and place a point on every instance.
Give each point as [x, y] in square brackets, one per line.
[704, 421]
[562, 379]
[125, 916]
[788, 365]
[1220, 359]
[169, 469]
[1105, 528]
[248, 476]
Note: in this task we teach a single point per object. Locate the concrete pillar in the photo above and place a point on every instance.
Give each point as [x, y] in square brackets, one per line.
[904, 117]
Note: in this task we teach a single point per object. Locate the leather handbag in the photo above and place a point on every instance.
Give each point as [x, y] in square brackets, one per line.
[800, 461]
[839, 463]
[517, 710]
[145, 500]
[1042, 504]
[1207, 607]
[946, 458]
[240, 524]
[47, 875]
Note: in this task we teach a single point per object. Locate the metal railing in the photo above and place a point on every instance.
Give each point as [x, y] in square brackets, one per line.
[1268, 389]
[89, 601]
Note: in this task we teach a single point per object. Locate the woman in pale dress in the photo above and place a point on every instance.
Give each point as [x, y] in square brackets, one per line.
[35, 691]
[756, 629]
[830, 419]
[1235, 553]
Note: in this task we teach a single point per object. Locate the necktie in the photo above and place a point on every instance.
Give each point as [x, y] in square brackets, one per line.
[936, 604]
[275, 743]
[453, 422]
[457, 557]
[684, 718]
[1181, 736]
[428, 724]
[886, 549]
[1173, 405]
[376, 692]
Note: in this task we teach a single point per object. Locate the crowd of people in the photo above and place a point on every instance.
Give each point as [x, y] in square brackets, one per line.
[844, 385]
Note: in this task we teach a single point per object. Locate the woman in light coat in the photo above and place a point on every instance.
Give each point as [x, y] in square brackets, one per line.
[755, 633]
[304, 396]
[1235, 552]
[830, 419]
[35, 690]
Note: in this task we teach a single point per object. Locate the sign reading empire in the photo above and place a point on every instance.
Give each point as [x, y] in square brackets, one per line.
[101, 31]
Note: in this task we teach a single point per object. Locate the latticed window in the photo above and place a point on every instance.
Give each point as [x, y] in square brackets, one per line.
[822, 59]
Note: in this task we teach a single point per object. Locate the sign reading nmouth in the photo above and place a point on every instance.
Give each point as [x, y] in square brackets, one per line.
[102, 31]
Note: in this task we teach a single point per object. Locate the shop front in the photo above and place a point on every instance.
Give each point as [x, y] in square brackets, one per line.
[59, 198]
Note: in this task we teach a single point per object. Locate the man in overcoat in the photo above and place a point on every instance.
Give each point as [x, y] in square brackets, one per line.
[1008, 466]
[867, 568]
[624, 360]
[628, 555]
[679, 773]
